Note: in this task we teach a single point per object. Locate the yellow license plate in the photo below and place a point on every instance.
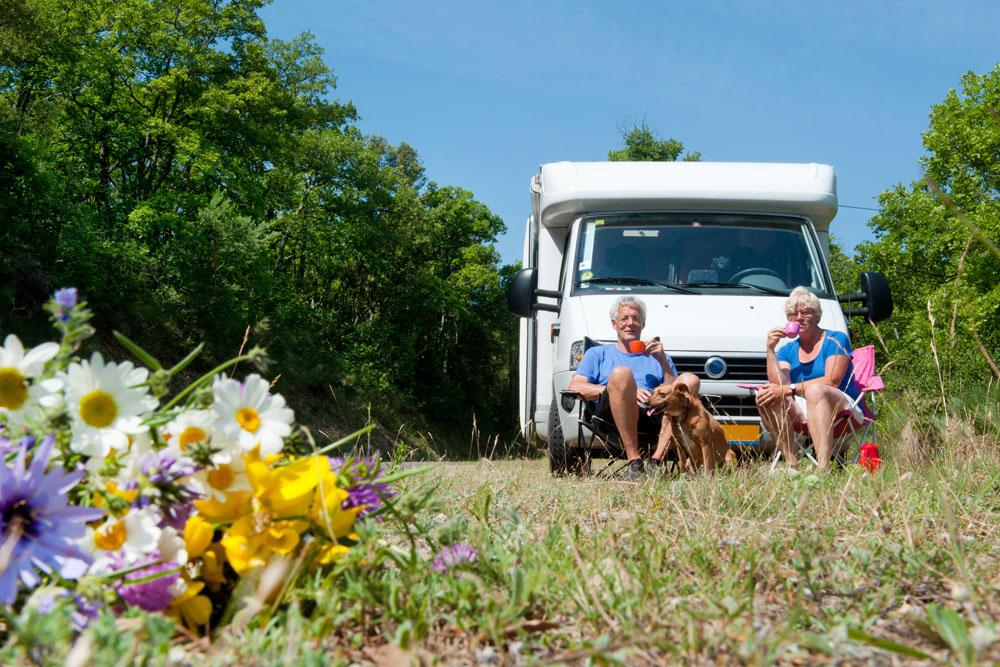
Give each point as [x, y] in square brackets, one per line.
[742, 434]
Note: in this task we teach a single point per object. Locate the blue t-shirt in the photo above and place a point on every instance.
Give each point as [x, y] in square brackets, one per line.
[834, 343]
[598, 362]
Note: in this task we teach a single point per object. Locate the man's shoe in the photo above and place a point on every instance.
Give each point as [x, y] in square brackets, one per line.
[657, 469]
[635, 471]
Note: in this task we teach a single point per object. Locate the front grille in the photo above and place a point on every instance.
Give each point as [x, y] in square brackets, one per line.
[729, 407]
[739, 369]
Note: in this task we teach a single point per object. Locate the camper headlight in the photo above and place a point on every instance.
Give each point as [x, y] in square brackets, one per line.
[575, 354]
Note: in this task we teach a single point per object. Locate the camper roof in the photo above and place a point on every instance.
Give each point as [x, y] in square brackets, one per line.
[563, 191]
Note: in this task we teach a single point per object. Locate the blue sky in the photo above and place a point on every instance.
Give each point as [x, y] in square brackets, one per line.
[485, 92]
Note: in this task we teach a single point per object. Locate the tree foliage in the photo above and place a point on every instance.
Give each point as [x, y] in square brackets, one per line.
[193, 178]
[642, 144]
[932, 241]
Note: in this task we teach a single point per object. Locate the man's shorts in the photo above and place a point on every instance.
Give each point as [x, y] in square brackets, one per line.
[647, 425]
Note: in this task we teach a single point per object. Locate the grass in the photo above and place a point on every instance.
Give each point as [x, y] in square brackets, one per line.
[742, 567]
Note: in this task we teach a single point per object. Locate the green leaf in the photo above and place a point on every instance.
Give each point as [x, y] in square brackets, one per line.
[885, 644]
[952, 629]
[141, 354]
[187, 360]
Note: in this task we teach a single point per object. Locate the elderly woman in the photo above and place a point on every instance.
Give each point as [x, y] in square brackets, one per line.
[811, 380]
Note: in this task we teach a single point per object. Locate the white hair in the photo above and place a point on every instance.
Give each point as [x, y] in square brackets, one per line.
[802, 298]
[628, 301]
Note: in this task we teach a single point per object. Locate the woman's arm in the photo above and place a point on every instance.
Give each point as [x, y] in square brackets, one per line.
[775, 373]
[778, 372]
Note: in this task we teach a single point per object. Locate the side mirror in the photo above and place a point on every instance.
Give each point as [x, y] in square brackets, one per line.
[879, 301]
[875, 296]
[522, 297]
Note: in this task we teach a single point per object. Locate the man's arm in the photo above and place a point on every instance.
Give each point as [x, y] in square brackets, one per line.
[655, 350]
[582, 385]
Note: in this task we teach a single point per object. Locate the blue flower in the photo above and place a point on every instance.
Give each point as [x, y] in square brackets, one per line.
[38, 526]
[65, 300]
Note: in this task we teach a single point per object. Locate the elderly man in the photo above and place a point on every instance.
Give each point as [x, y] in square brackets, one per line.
[620, 381]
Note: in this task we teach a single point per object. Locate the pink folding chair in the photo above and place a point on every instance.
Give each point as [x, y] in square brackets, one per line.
[849, 432]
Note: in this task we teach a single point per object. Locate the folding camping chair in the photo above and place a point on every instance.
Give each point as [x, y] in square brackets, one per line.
[848, 433]
[605, 434]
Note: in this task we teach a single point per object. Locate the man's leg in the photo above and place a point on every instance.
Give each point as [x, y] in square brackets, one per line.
[692, 381]
[625, 409]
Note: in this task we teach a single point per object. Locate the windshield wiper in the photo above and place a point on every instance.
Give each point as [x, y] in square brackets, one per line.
[624, 280]
[766, 290]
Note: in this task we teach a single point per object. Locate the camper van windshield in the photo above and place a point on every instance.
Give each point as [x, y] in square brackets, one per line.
[697, 253]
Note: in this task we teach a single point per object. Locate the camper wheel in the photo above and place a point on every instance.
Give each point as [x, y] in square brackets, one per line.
[563, 460]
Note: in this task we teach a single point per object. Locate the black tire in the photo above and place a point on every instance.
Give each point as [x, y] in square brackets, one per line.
[563, 460]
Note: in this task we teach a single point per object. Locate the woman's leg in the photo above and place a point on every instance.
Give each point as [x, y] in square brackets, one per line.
[823, 404]
[778, 419]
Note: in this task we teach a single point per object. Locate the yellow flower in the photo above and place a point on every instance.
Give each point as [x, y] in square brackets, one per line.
[190, 607]
[211, 566]
[327, 512]
[197, 536]
[331, 552]
[250, 542]
[235, 505]
[287, 490]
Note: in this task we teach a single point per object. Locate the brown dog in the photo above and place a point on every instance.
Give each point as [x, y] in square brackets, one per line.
[696, 432]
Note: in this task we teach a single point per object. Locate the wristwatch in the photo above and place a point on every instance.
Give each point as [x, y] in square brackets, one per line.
[792, 387]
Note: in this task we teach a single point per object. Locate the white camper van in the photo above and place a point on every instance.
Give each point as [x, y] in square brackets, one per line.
[712, 248]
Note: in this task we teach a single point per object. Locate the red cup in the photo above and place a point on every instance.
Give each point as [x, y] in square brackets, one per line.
[869, 457]
[637, 346]
[791, 329]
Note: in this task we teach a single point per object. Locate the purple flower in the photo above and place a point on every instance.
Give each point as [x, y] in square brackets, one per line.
[164, 486]
[85, 612]
[46, 602]
[6, 446]
[455, 556]
[152, 595]
[360, 476]
[38, 526]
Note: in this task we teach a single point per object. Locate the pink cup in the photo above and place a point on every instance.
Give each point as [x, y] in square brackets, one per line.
[637, 346]
[791, 329]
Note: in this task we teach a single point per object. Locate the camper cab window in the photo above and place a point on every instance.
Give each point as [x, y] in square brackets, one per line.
[704, 252]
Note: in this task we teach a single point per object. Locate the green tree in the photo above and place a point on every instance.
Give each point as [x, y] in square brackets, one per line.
[642, 144]
[194, 178]
[933, 247]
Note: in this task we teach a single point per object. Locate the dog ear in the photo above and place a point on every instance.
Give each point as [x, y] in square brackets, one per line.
[681, 387]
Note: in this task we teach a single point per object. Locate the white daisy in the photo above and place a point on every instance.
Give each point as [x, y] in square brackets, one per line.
[106, 405]
[190, 427]
[137, 533]
[20, 400]
[221, 479]
[250, 415]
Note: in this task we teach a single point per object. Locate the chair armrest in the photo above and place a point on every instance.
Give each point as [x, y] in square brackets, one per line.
[570, 397]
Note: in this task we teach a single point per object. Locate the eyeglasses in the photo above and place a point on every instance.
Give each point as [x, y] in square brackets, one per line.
[625, 319]
[805, 312]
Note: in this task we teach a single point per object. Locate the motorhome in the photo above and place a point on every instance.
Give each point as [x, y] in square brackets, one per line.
[713, 249]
